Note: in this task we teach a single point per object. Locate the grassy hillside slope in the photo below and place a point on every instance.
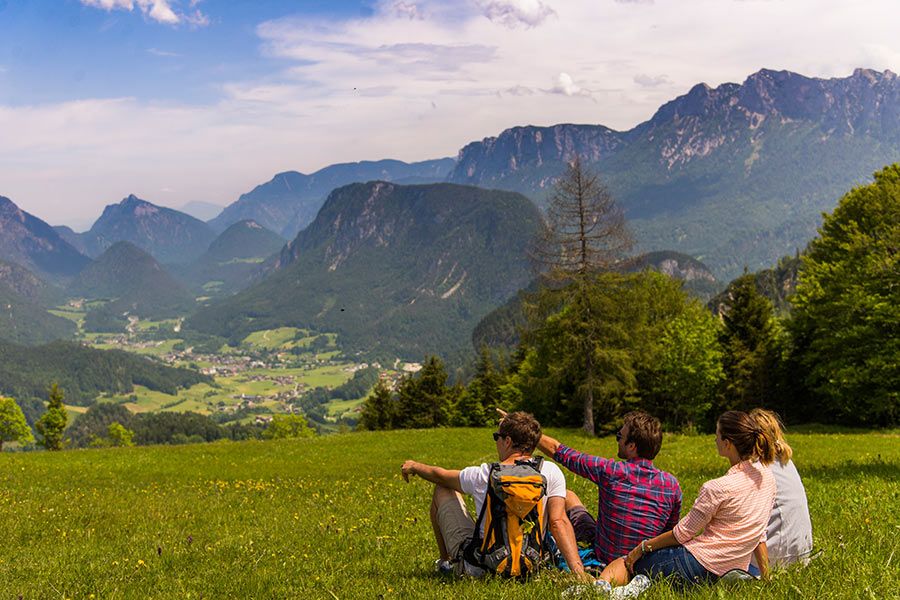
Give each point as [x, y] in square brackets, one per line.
[331, 518]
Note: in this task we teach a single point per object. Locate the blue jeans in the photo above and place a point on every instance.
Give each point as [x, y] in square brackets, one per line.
[676, 562]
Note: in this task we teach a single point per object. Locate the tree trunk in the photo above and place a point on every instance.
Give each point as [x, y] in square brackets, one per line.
[589, 396]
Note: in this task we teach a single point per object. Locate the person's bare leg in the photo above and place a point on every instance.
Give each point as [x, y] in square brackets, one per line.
[441, 495]
[572, 500]
[616, 573]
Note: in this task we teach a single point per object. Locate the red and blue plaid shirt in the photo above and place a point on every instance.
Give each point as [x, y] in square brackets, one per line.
[636, 500]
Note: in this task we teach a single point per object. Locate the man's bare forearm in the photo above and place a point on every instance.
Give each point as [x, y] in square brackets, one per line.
[437, 475]
[548, 445]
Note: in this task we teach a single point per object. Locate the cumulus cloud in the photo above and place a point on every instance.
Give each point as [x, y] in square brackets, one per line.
[566, 86]
[161, 11]
[650, 81]
[515, 13]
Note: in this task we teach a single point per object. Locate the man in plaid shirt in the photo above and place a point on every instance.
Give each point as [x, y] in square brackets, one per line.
[636, 501]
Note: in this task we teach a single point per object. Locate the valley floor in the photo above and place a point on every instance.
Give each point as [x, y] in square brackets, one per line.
[330, 517]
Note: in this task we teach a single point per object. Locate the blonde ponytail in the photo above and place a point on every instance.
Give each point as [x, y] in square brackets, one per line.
[771, 423]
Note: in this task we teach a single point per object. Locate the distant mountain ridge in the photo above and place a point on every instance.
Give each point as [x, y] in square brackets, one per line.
[393, 269]
[167, 234]
[30, 242]
[734, 175]
[233, 259]
[290, 200]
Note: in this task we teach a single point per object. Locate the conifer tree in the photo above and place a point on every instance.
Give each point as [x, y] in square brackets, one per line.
[750, 345]
[425, 400]
[52, 424]
[379, 410]
[584, 234]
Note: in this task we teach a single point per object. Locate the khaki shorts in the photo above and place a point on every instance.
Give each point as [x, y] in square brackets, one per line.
[457, 528]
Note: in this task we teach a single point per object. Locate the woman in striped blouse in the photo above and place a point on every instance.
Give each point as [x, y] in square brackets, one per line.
[727, 524]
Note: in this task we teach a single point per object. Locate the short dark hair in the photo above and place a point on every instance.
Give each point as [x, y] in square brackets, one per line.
[523, 429]
[645, 431]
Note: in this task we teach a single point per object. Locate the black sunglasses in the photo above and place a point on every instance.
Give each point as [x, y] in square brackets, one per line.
[619, 435]
[497, 435]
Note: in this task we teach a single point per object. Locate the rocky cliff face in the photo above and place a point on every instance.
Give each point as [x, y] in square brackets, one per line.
[32, 243]
[170, 236]
[290, 201]
[737, 175]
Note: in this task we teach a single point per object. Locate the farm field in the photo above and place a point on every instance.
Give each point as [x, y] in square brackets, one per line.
[330, 517]
[204, 398]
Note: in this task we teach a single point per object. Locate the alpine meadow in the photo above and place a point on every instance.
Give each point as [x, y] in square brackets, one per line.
[449, 299]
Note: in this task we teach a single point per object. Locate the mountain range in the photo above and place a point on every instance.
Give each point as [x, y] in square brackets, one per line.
[736, 175]
[393, 269]
[290, 201]
[167, 234]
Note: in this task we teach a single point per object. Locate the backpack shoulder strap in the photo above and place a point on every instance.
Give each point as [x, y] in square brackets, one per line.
[476, 536]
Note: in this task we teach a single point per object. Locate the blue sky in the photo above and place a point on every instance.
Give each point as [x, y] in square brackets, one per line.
[186, 100]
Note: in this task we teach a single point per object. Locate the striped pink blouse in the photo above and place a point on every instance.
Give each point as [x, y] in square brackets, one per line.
[729, 518]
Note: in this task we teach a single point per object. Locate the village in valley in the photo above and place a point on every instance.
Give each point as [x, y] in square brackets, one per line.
[277, 371]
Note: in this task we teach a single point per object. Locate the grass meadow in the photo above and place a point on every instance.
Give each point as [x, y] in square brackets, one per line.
[330, 517]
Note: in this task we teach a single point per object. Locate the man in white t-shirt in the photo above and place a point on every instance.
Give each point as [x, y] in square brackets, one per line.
[516, 438]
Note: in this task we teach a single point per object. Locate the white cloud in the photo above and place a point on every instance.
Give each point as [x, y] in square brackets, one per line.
[650, 81]
[566, 86]
[418, 83]
[513, 13]
[160, 11]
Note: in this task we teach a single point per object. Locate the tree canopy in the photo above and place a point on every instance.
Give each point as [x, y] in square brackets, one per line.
[846, 321]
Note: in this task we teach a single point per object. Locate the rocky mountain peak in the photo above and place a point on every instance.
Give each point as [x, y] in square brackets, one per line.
[9, 210]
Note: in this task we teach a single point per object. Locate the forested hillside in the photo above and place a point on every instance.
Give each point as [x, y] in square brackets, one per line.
[83, 373]
[392, 269]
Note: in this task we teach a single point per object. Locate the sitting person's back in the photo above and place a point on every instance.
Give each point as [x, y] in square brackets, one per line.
[789, 531]
[729, 517]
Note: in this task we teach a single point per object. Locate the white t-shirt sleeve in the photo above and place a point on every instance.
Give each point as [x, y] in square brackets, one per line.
[473, 480]
[556, 481]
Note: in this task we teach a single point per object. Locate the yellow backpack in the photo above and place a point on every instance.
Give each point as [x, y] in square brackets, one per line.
[513, 517]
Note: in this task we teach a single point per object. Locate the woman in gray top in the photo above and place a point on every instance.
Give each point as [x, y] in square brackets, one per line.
[789, 534]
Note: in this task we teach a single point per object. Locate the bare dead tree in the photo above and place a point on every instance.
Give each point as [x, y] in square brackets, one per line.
[584, 233]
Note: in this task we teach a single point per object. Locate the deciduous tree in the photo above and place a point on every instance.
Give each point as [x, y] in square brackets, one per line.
[846, 319]
[13, 427]
[288, 426]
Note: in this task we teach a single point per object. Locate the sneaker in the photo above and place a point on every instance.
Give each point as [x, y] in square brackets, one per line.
[637, 586]
[443, 567]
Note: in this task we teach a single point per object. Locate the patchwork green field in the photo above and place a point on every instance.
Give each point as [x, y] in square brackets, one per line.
[330, 517]
[260, 383]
